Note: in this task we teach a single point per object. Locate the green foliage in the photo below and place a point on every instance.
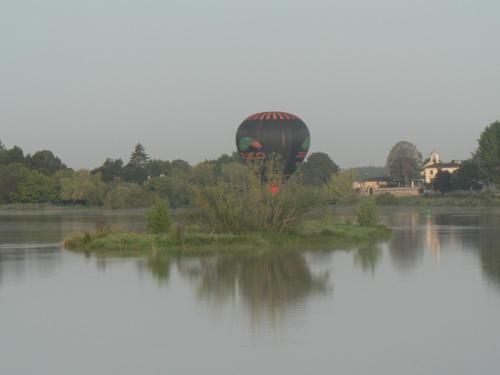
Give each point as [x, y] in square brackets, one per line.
[488, 154]
[12, 156]
[318, 169]
[404, 162]
[83, 187]
[180, 168]
[367, 215]
[340, 188]
[18, 184]
[129, 196]
[111, 170]
[138, 158]
[135, 174]
[467, 177]
[159, 220]
[156, 168]
[224, 159]
[443, 182]
[44, 162]
[203, 173]
[35, 188]
[10, 177]
[386, 199]
[241, 200]
[135, 171]
[175, 189]
[371, 172]
[314, 235]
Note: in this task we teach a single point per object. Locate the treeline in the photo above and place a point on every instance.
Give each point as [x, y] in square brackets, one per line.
[481, 171]
[44, 178]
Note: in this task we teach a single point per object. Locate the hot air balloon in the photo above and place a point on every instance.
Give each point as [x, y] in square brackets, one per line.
[274, 134]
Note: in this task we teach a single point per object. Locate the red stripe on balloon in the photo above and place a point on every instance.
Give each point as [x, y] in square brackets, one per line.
[273, 116]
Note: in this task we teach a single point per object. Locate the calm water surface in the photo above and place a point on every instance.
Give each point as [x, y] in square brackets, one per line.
[426, 302]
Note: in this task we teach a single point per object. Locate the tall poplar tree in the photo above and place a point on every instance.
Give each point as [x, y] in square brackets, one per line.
[488, 154]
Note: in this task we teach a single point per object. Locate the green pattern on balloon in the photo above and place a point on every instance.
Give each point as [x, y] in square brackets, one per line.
[305, 145]
[245, 143]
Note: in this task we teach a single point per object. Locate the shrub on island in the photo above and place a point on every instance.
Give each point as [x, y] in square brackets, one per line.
[159, 221]
[368, 214]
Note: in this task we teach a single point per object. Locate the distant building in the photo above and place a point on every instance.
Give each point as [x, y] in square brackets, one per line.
[433, 165]
[369, 186]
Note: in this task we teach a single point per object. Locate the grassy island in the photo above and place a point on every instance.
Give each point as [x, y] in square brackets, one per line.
[238, 212]
[313, 236]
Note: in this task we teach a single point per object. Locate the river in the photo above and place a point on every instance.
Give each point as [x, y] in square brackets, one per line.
[425, 302]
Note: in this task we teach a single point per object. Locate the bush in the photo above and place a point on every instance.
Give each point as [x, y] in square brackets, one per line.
[339, 188]
[159, 221]
[367, 214]
[240, 200]
[386, 199]
[129, 196]
[173, 188]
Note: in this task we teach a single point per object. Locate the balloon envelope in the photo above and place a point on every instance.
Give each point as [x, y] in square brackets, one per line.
[278, 134]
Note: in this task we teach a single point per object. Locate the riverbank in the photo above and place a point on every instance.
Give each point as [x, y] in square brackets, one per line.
[318, 235]
[439, 201]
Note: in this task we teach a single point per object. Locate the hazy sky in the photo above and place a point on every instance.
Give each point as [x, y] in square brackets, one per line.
[89, 79]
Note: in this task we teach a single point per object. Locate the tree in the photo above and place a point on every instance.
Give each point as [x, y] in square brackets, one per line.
[318, 169]
[159, 221]
[404, 162]
[35, 188]
[19, 184]
[83, 187]
[135, 170]
[156, 168]
[129, 196]
[241, 200]
[367, 215]
[488, 154]
[180, 168]
[223, 160]
[203, 173]
[340, 188]
[110, 170]
[135, 173]
[139, 157]
[10, 177]
[467, 177]
[44, 162]
[173, 188]
[14, 155]
[442, 182]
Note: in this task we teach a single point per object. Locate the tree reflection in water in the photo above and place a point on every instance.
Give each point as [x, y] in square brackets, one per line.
[488, 244]
[268, 284]
[158, 265]
[368, 257]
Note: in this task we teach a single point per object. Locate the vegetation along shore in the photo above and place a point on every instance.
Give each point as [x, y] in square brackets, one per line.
[238, 212]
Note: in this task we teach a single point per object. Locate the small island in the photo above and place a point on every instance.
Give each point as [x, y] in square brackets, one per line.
[314, 236]
[240, 211]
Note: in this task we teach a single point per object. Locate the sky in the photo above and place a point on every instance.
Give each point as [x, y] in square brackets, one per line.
[89, 79]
